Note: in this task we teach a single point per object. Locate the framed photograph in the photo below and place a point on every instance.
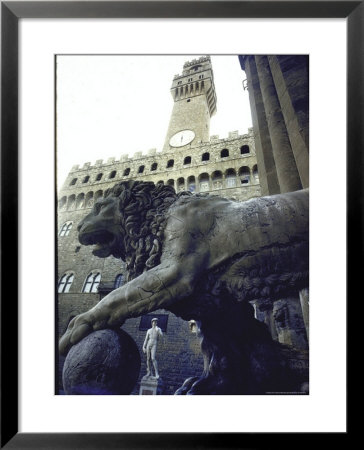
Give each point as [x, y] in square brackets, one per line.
[40, 55]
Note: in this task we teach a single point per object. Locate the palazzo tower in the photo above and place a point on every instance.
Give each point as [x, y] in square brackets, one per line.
[194, 98]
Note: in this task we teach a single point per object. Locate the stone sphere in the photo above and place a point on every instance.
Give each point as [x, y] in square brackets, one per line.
[106, 362]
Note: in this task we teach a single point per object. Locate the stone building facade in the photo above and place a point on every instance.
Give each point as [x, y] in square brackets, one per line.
[190, 160]
[278, 87]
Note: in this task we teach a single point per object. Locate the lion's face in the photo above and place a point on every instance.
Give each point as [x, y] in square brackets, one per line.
[102, 228]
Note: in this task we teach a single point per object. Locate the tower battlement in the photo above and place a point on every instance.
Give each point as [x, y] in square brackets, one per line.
[200, 60]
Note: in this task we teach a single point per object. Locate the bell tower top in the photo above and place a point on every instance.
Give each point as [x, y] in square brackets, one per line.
[194, 98]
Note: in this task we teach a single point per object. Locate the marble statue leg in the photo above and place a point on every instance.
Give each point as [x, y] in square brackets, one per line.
[154, 361]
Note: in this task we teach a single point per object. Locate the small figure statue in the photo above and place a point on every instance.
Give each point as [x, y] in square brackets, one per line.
[150, 346]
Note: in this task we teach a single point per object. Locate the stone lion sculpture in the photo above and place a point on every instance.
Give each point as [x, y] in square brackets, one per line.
[204, 258]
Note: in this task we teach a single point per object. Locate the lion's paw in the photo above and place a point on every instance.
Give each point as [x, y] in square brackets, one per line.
[78, 328]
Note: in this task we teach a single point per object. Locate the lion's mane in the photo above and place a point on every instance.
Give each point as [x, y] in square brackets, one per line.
[142, 207]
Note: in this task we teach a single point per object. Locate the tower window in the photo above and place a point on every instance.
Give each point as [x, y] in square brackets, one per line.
[141, 169]
[187, 160]
[92, 282]
[65, 230]
[224, 153]
[73, 182]
[180, 82]
[126, 172]
[112, 174]
[85, 180]
[65, 283]
[244, 149]
[190, 79]
[205, 157]
[200, 77]
[188, 100]
[98, 177]
[170, 163]
[118, 281]
[154, 166]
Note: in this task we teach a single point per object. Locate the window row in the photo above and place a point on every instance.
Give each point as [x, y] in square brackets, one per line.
[189, 80]
[90, 285]
[97, 178]
[189, 89]
[244, 150]
[217, 180]
[79, 202]
[205, 182]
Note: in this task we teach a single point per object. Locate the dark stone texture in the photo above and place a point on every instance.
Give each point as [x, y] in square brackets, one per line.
[106, 362]
[203, 258]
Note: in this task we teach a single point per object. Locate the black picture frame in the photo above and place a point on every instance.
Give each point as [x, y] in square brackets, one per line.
[11, 12]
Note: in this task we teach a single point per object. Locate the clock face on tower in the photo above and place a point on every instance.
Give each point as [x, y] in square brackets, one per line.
[182, 138]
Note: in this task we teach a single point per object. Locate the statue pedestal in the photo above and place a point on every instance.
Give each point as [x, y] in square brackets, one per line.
[150, 385]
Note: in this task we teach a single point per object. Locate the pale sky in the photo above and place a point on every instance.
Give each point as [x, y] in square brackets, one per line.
[112, 105]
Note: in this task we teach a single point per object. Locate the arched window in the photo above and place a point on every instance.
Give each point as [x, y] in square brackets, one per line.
[244, 149]
[170, 163]
[244, 174]
[180, 184]
[65, 283]
[85, 180]
[119, 281]
[92, 282]
[217, 179]
[230, 178]
[187, 160]
[98, 194]
[80, 201]
[204, 181]
[224, 153]
[205, 157]
[112, 174]
[65, 230]
[73, 182]
[255, 173]
[191, 184]
[71, 202]
[89, 200]
[98, 177]
[154, 166]
[62, 203]
[170, 182]
[126, 172]
[160, 182]
[141, 169]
